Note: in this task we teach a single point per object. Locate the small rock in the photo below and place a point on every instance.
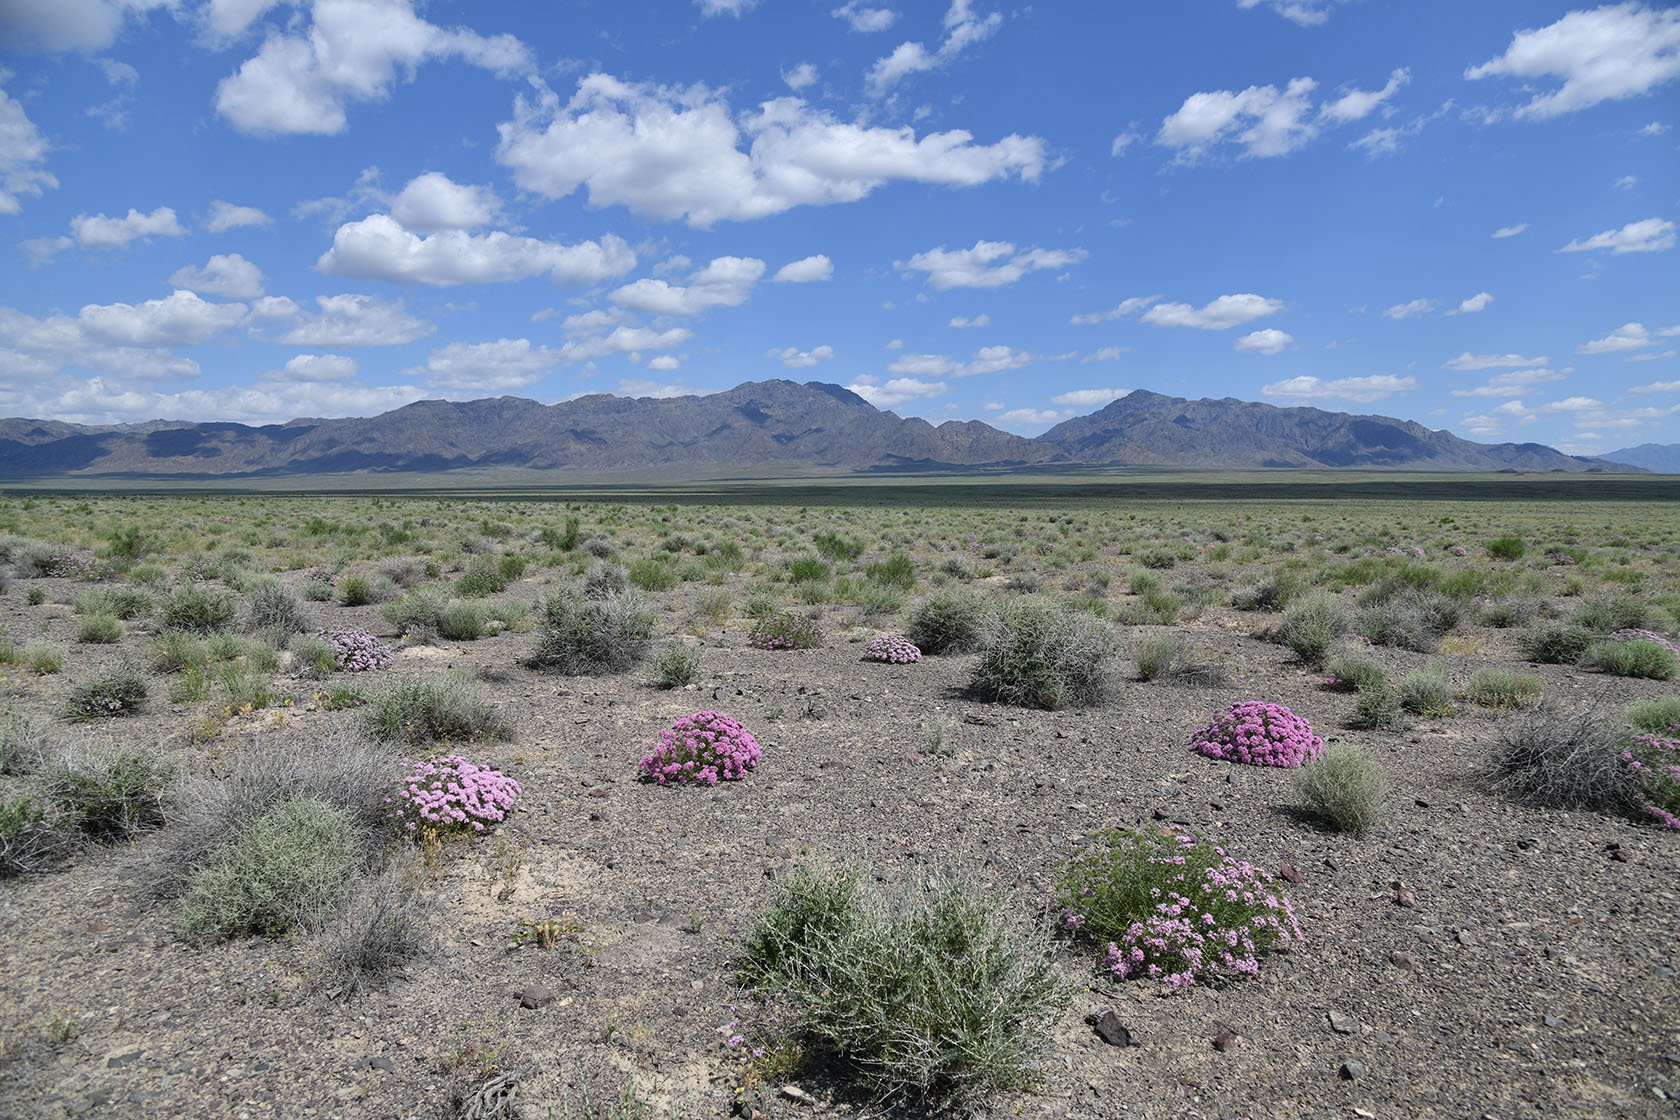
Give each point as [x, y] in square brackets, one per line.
[597, 792]
[1110, 1029]
[1351, 1070]
[1468, 938]
[1404, 896]
[795, 1093]
[1288, 873]
[1420, 803]
[1528, 843]
[1404, 960]
[382, 1062]
[1224, 1041]
[537, 995]
[1553, 1021]
[1343, 1024]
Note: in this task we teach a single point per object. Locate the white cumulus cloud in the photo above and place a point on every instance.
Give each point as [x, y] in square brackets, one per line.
[1510, 231]
[800, 76]
[989, 264]
[1469, 361]
[1119, 311]
[1268, 341]
[433, 202]
[962, 321]
[317, 367]
[302, 81]
[1220, 314]
[1360, 389]
[1356, 104]
[1475, 303]
[1652, 235]
[624, 340]
[1412, 310]
[1306, 13]
[896, 390]
[1260, 118]
[1628, 336]
[352, 319]
[68, 25]
[228, 275]
[1034, 417]
[101, 232]
[862, 17]
[725, 282]
[181, 319]
[379, 248]
[806, 270]
[792, 357]
[1606, 54]
[671, 154]
[23, 156]
[1505, 384]
[487, 367]
[225, 216]
[1088, 398]
[962, 30]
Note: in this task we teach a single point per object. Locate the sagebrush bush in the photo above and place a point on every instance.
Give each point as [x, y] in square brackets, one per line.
[1609, 610]
[1272, 593]
[1414, 620]
[421, 711]
[417, 614]
[20, 746]
[652, 573]
[1502, 688]
[200, 609]
[606, 578]
[357, 590]
[933, 999]
[1036, 654]
[1657, 715]
[210, 811]
[275, 612]
[1173, 907]
[676, 665]
[99, 629]
[1508, 611]
[580, 636]
[948, 621]
[1647, 660]
[376, 930]
[1555, 643]
[114, 692]
[110, 794]
[289, 868]
[1168, 658]
[897, 570]
[1311, 626]
[1346, 787]
[43, 658]
[1354, 672]
[1426, 692]
[461, 622]
[1377, 708]
[1560, 761]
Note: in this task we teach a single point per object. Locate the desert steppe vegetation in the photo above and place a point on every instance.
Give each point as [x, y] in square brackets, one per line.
[994, 801]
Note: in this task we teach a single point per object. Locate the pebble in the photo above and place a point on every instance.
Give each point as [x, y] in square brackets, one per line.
[1110, 1029]
[1404, 960]
[536, 995]
[1343, 1024]
[1351, 1070]
[1225, 1041]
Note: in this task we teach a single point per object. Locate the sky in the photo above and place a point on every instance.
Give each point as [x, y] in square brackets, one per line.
[1462, 214]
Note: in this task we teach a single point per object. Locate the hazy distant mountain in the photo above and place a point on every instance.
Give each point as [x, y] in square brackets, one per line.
[1145, 427]
[1664, 458]
[758, 425]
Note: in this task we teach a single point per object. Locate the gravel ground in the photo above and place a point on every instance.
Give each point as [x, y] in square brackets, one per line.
[1534, 975]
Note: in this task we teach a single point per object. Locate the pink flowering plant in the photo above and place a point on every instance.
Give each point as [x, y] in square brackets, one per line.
[895, 649]
[357, 651]
[704, 747]
[1173, 907]
[1653, 757]
[784, 630]
[451, 794]
[1258, 734]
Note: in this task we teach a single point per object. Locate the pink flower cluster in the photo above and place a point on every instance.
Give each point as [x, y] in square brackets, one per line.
[1186, 936]
[1654, 759]
[357, 651]
[1644, 636]
[1258, 734]
[1458, 550]
[320, 573]
[895, 649]
[703, 747]
[453, 793]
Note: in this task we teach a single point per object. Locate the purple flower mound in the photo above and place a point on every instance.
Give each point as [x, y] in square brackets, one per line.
[1654, 760]
[453, 794]
[357, 651]
[704, 747]
[894, 649]
[1259, 734]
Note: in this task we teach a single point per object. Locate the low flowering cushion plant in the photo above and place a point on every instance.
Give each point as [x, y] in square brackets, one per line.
[452, 794]
[1173, 907]
[1654, 760]
[894, 649]
[703, 747]
[785, 631]
[357, 651]
[1259, 734]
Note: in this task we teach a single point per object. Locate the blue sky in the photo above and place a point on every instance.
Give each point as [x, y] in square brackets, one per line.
[1462, 214]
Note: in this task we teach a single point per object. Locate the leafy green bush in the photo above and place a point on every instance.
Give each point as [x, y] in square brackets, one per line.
[808, 569]
[651, 573]
[99, 629]
[676, 665]
[1555, 643]
[1426, 692]
[579, 636]
[1502, 688]
[1354, 672]
[108, 795]
[1038, 655]
[291, 865]
[1377, 709]
[1606, 611]
[1658, 716]
[356, 590]
[483, 577]
[420, 712]
[948, 621]
[897, 570]
[1311, 626]
[833, 546]
[1272, 593]
[200, 609]
[1648, 660]
[1506, 548]
[933, 999]
[114, 692]
[43, 658]
[1345, 787]
[461, 622]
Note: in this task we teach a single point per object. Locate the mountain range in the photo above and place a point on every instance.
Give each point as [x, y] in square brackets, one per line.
[1664, 458]
[762, 425]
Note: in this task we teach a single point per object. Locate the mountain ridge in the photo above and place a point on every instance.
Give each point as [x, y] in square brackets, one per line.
[754, 424]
